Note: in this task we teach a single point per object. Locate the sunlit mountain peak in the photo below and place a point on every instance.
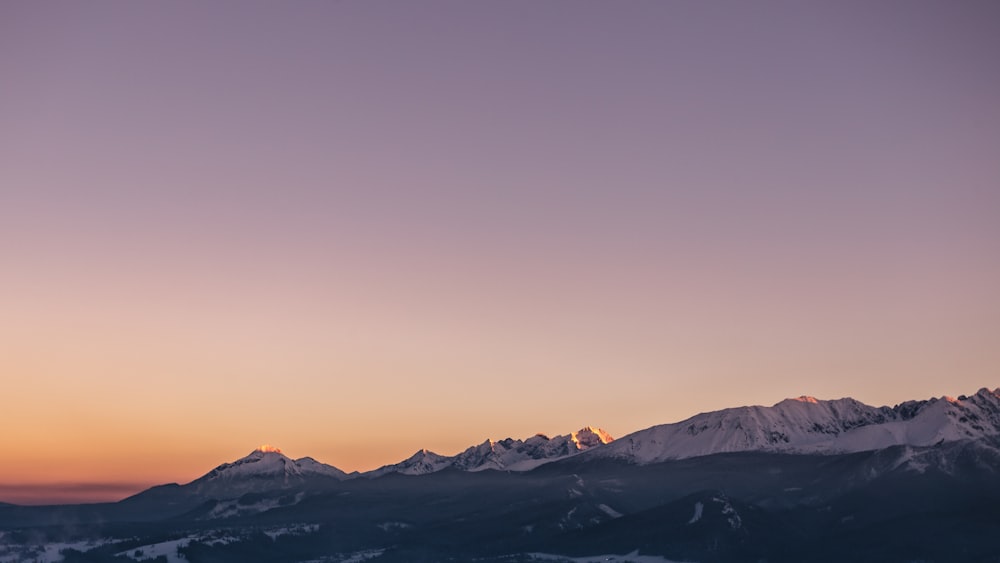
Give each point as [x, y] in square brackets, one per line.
[805, 399]
[590, 436]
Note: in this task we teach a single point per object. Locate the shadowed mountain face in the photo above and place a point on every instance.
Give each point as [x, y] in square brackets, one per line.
[901, 502]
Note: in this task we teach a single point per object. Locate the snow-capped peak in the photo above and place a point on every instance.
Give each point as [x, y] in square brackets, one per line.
[808, 425]
[266, 467]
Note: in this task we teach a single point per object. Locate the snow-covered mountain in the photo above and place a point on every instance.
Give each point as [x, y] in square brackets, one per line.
[507, 455]
[802, 425]
[808, 425]
[265, 468]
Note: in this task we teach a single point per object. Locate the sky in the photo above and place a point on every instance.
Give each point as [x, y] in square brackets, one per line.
[357, 229]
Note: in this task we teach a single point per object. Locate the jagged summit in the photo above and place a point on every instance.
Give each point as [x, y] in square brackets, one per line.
[590, 436]
[985, 392]
[508, 454]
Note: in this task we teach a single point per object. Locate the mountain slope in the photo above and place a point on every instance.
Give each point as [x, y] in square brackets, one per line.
[808, 425]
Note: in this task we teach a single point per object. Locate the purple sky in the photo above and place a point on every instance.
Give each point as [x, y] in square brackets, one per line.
[355, 229]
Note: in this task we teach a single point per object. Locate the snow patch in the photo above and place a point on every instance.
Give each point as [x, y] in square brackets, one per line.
[231, 508]
[299, 530]
[166, 549]
[609, 511]
[699, 508]
[735, 522]
[386, 526]
[355, 557]
[633, 557]
[46, 553]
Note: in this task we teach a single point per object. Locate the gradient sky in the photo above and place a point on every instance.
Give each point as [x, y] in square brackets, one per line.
[355, 229]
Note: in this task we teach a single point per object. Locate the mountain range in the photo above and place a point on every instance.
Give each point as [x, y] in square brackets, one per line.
[802, 480]
[802, 425]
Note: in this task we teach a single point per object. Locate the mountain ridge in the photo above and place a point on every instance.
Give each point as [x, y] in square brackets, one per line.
[798, 425]
[509, 454]
[808, 425]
